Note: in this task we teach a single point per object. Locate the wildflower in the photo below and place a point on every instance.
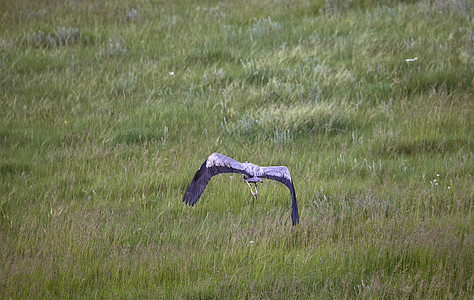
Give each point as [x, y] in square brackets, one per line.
[66, 122]
[251, 242]
[411, 59]
[171, 73]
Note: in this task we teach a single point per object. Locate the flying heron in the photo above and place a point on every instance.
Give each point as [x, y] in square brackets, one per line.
[217, 163]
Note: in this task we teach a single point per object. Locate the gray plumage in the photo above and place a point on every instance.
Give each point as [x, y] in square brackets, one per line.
[217, 163]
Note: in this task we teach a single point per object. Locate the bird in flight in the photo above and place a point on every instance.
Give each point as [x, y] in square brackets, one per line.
[217, 163]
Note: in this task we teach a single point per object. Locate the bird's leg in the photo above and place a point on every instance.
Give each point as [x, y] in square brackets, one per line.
[253, 194]
[256, 192]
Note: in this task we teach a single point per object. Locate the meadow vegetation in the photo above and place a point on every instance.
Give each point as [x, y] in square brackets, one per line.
[109, 107]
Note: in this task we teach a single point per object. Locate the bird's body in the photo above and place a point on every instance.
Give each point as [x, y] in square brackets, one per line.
[217, 163]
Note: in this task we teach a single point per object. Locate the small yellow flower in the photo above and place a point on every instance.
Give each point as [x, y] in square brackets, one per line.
[66, 122]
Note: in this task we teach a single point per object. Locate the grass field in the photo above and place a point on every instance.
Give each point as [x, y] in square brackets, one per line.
[109, 107]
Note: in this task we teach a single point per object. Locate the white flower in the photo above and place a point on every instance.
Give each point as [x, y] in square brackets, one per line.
[171, 73]
[251, 242]
[411, 59]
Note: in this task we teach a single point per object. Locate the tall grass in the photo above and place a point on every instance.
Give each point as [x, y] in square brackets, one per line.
[108, 108]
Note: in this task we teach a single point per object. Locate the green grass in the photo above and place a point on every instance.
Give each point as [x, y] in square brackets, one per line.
[108, 108]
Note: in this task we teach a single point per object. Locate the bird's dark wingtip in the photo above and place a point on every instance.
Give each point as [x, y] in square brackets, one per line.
[187, 201]
[295, 218]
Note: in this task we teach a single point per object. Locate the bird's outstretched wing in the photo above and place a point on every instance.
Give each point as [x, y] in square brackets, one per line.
[215, 164]
[281, 174]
